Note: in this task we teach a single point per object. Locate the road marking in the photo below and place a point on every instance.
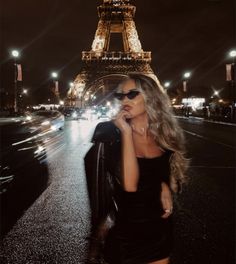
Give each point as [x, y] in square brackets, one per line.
[205, 138]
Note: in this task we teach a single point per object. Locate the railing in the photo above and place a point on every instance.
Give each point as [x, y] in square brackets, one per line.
[116, 56]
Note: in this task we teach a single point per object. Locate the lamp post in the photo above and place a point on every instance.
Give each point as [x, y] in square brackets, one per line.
[15, 54]
[56, 88]
[230, 76]
[186, 77]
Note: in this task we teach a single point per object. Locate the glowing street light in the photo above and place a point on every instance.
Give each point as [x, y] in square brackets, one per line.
[15, 53]
[232, 53]
[25, 91]
[54, 74]
[216, 92]
[187, 75]
[167, 84]
[61, 102]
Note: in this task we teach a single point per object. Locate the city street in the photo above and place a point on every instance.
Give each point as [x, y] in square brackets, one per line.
[54, 227]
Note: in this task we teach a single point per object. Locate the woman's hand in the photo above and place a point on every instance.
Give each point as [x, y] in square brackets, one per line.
[166, 200]
[121, 123]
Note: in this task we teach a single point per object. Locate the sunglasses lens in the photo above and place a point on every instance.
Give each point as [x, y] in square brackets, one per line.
[118, 96]
[132, 94]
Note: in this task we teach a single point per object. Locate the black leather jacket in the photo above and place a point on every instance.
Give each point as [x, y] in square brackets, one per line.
[103, 172]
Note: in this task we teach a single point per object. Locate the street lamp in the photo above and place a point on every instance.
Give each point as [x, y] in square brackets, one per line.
[25, 91]
[232, 53]
[230, 77]
[15, 54]
[56, 84]
[187, 75]
[185, 90]
[54, 74]
[167, 84]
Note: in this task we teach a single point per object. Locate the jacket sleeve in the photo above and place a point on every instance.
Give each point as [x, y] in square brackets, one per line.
[99, 179]
[106, 132]
[100, 197]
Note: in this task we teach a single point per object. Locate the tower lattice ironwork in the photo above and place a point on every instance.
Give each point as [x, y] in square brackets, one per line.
[116, 18]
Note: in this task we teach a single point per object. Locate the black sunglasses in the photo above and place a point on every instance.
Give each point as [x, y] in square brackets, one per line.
[130, 95]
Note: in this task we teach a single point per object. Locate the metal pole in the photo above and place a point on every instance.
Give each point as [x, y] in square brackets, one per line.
[15, 87]
[233, 90]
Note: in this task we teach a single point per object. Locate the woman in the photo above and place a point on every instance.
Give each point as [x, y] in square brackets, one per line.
[139, 165]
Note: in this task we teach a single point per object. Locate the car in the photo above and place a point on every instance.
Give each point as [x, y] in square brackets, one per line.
[23, 168]
[103, 116]
[68, 112]
[75, 115]
[21, 146]
[48, 120]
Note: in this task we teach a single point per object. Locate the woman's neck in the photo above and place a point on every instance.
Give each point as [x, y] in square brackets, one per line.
[139, 125]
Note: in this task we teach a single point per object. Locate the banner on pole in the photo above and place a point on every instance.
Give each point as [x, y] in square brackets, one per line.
[185, 86]
[56, 87]
[228, 72]
[19, 72]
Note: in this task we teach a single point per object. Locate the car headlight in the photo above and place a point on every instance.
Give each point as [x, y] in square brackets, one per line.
[45, 123]
[74, 115]
[53, 127]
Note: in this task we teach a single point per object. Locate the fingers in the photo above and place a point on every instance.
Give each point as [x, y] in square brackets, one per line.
[166, 200]
[122, 114]
[167, 206]
[167, 213]
[121, 122]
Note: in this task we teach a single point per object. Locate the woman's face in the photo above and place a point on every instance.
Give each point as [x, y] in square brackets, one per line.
[136, 106]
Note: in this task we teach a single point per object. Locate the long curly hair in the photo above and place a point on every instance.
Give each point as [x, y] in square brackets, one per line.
[163, 126]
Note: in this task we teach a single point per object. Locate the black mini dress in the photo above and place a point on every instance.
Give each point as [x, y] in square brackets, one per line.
[139, 234]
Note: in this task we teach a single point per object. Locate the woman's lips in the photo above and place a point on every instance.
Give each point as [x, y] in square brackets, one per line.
[126, 107]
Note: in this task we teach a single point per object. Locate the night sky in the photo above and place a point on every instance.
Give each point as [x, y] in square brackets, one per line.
[193, 35]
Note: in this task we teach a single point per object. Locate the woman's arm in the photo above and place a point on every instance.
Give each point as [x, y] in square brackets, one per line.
[166, 200]
[129, 170]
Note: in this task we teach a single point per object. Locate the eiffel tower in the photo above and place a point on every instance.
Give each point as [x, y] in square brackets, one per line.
[102, 67]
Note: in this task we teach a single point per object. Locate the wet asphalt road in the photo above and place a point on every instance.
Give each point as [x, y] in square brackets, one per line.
[54, 227]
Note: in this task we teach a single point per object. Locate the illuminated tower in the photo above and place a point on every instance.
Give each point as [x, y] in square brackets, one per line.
[116, 21]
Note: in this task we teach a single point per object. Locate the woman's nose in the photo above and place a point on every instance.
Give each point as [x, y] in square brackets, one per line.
[125, 99]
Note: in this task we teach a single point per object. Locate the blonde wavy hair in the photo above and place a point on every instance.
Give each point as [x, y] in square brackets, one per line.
[163, 125]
